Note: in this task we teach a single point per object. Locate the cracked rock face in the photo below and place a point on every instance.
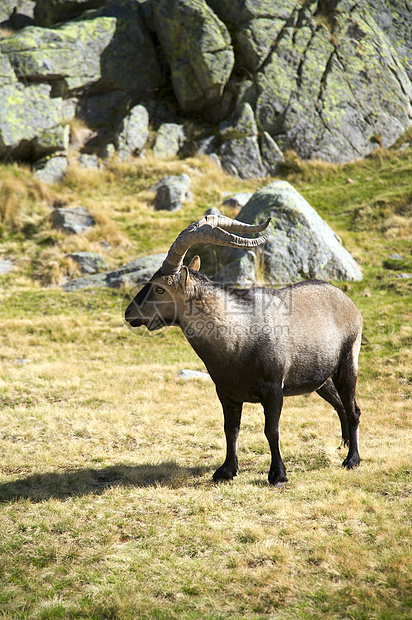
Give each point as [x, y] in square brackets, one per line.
[331, 80]
[333, 91]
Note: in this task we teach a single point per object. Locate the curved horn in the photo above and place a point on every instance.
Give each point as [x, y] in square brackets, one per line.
[216, 229]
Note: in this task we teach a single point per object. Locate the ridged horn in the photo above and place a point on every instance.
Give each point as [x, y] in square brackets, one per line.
[216, 229]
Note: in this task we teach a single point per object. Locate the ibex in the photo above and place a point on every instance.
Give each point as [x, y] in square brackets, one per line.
[258, 344]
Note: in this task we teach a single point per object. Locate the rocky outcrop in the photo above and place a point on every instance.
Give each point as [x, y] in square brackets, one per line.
[330, 79]
[107, 51]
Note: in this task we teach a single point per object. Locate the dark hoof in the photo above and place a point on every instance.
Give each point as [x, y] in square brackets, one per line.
[277, 480]
[224, 473]
[351, 463]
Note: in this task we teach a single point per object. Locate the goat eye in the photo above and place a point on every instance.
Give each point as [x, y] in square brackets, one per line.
[159, 290]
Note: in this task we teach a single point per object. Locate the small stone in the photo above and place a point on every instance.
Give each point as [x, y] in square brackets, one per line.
[90, 162]
[237, 200]
[212, 211]
[137, 272]
[172, 192]
[170, 139]
[72, 221]
[133, 132]
[6, 266]
[187, 374]
[51, 170]
[105, 246]
[89, 262]
[396, 257]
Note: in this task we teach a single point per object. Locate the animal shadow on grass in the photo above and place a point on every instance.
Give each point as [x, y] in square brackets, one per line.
[79, 482]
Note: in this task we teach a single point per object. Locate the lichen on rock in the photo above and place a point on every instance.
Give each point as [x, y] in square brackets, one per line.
[30, 123]
[198, 49]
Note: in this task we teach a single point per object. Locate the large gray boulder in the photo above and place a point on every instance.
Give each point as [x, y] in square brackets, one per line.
[361, 91]
[301, 245]
[70, 54]
[198, 50]
[30, 122]
[241, 272]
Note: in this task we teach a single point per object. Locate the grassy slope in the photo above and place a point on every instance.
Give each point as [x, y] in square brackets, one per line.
[107, 509]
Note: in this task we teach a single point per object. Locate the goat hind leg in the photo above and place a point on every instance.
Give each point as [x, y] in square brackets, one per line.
[345, 384]
[329, 393]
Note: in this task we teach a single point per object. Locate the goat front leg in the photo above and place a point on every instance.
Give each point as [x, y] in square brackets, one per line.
[232, 412]
[272, 405]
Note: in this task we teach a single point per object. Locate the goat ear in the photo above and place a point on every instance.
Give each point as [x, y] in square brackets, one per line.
[184, 277]
[195, 263]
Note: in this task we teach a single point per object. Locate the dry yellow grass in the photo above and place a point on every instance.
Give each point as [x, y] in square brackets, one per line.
[107, 504]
